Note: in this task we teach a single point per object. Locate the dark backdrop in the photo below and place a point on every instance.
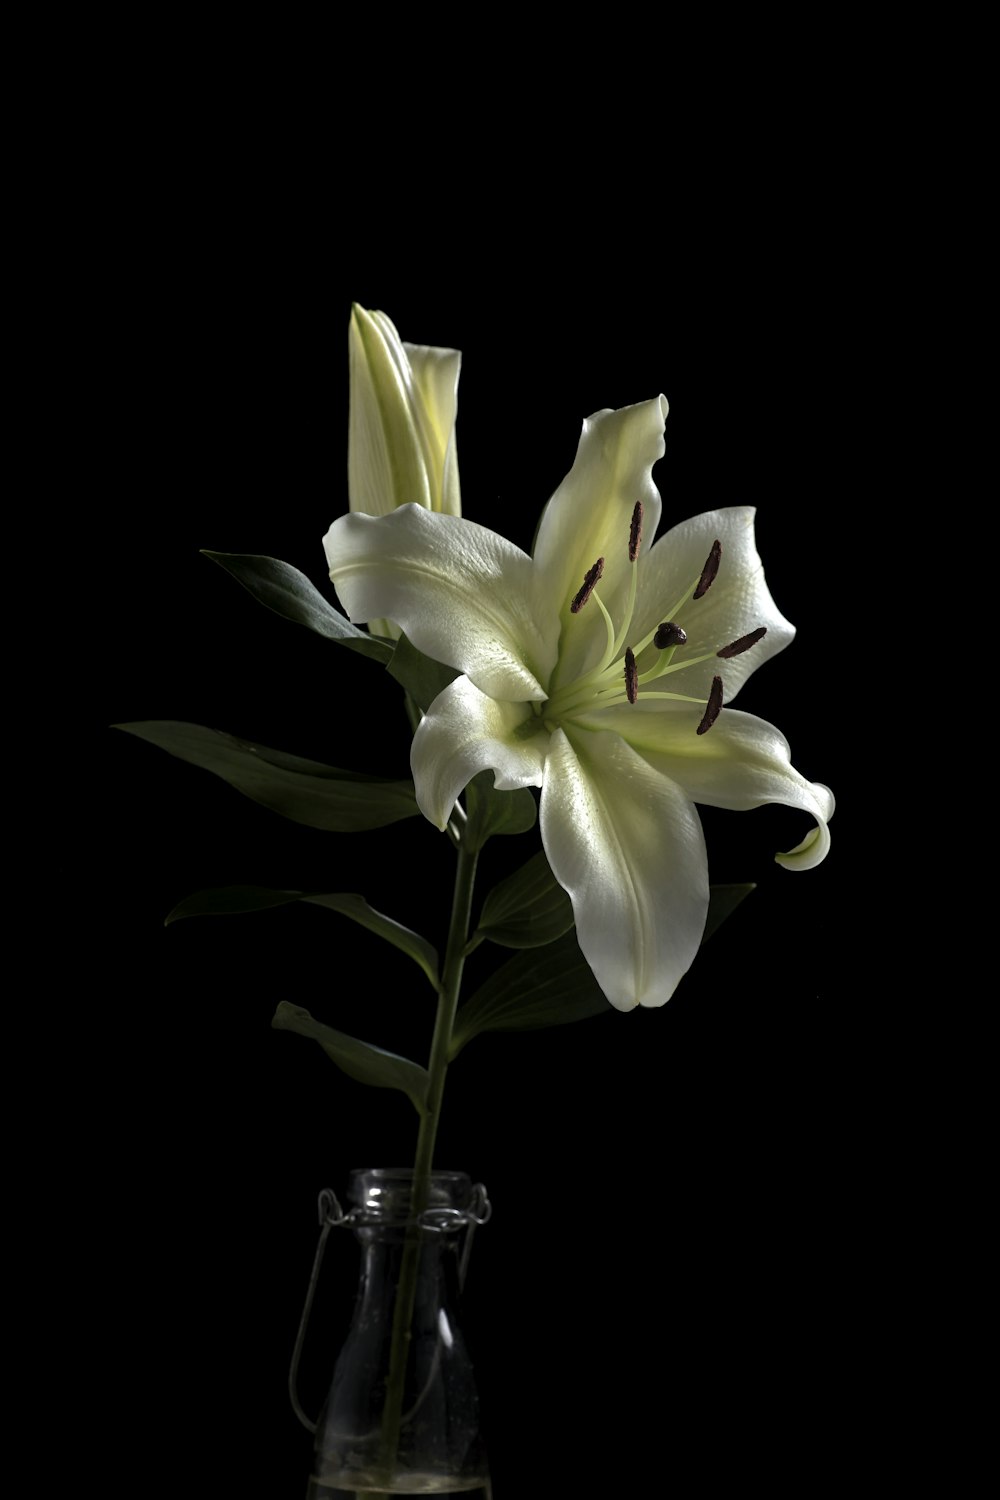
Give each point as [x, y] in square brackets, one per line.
[664, 1276]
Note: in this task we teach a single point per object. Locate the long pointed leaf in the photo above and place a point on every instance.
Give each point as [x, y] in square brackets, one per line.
[304, 790]
[360, 1060]
[543, 987]
[528, 909]
[722, 902]
[279, 586]
[231, 899]
[553, 985]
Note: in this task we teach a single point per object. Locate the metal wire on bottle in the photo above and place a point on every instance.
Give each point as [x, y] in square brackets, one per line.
[432, 1220]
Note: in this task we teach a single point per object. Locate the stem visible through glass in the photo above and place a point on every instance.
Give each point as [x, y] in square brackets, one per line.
[437, 1068]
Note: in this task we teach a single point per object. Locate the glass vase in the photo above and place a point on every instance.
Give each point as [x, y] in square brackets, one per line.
[402, 1415]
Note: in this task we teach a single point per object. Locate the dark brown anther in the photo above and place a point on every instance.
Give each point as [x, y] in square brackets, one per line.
[668, 634]
[743, 644]
[710, 570]
[635, 532]
[631, 676]
[714, 707]
[587, 586]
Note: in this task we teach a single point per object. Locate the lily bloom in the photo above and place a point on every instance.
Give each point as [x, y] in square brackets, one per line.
[596, 670]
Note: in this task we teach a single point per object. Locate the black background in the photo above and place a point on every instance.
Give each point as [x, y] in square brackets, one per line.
[675, 1190]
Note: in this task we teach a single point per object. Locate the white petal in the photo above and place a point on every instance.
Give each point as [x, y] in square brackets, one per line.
[742, 762]
[589, 517]
[462, 594]
[465, 732]
[737, 602]
[627, 845]
[435, 375]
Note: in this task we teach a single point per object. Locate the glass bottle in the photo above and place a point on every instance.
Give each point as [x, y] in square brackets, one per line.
[417, 1434]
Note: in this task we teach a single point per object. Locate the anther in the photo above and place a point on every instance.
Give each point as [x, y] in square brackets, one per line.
[635, 532]
[743, 644]
[587, 586]
[714, 707]
[631, 675]
[668, 634]
[710, 570]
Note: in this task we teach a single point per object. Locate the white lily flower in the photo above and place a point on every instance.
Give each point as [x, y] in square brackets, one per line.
[596, 670]
[401, 432]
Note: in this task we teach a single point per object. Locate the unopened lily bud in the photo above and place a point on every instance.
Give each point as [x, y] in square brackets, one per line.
[401, 435]
[401, 438]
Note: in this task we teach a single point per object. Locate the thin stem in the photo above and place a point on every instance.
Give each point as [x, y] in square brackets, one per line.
[451, 982]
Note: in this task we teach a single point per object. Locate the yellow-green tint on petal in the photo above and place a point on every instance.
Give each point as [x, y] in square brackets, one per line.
[385, 460]
[590, 515]
[435, 376]
[465, 732]
[402, 417]
[816, 845]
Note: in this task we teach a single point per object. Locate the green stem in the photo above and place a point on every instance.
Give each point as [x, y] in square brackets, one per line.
[437, 1068]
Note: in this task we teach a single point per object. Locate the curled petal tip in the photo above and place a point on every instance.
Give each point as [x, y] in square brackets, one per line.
[816, 845]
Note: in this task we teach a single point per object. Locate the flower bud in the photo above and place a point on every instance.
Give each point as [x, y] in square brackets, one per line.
[401, 438]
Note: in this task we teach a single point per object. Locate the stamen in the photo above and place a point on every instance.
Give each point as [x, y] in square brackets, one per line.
[668, 634]
[714, 707]
[743, 644]
[587, 586]
[709, 571]
[631, 676]
[635, 532]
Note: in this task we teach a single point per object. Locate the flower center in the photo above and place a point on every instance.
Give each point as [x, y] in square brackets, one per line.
[617, 677]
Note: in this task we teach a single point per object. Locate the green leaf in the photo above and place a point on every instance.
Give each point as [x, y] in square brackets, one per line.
[722, 902]
[543, 987]
[356, 907]
[553, 984]
[422, 677]
[228, 901]
[368, 1064]
[528, 909]
[490, 811]
[304, 790]
[244, 898]
[550, 985]
[280, 587]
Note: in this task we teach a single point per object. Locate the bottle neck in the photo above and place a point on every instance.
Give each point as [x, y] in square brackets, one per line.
[387, 1196]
